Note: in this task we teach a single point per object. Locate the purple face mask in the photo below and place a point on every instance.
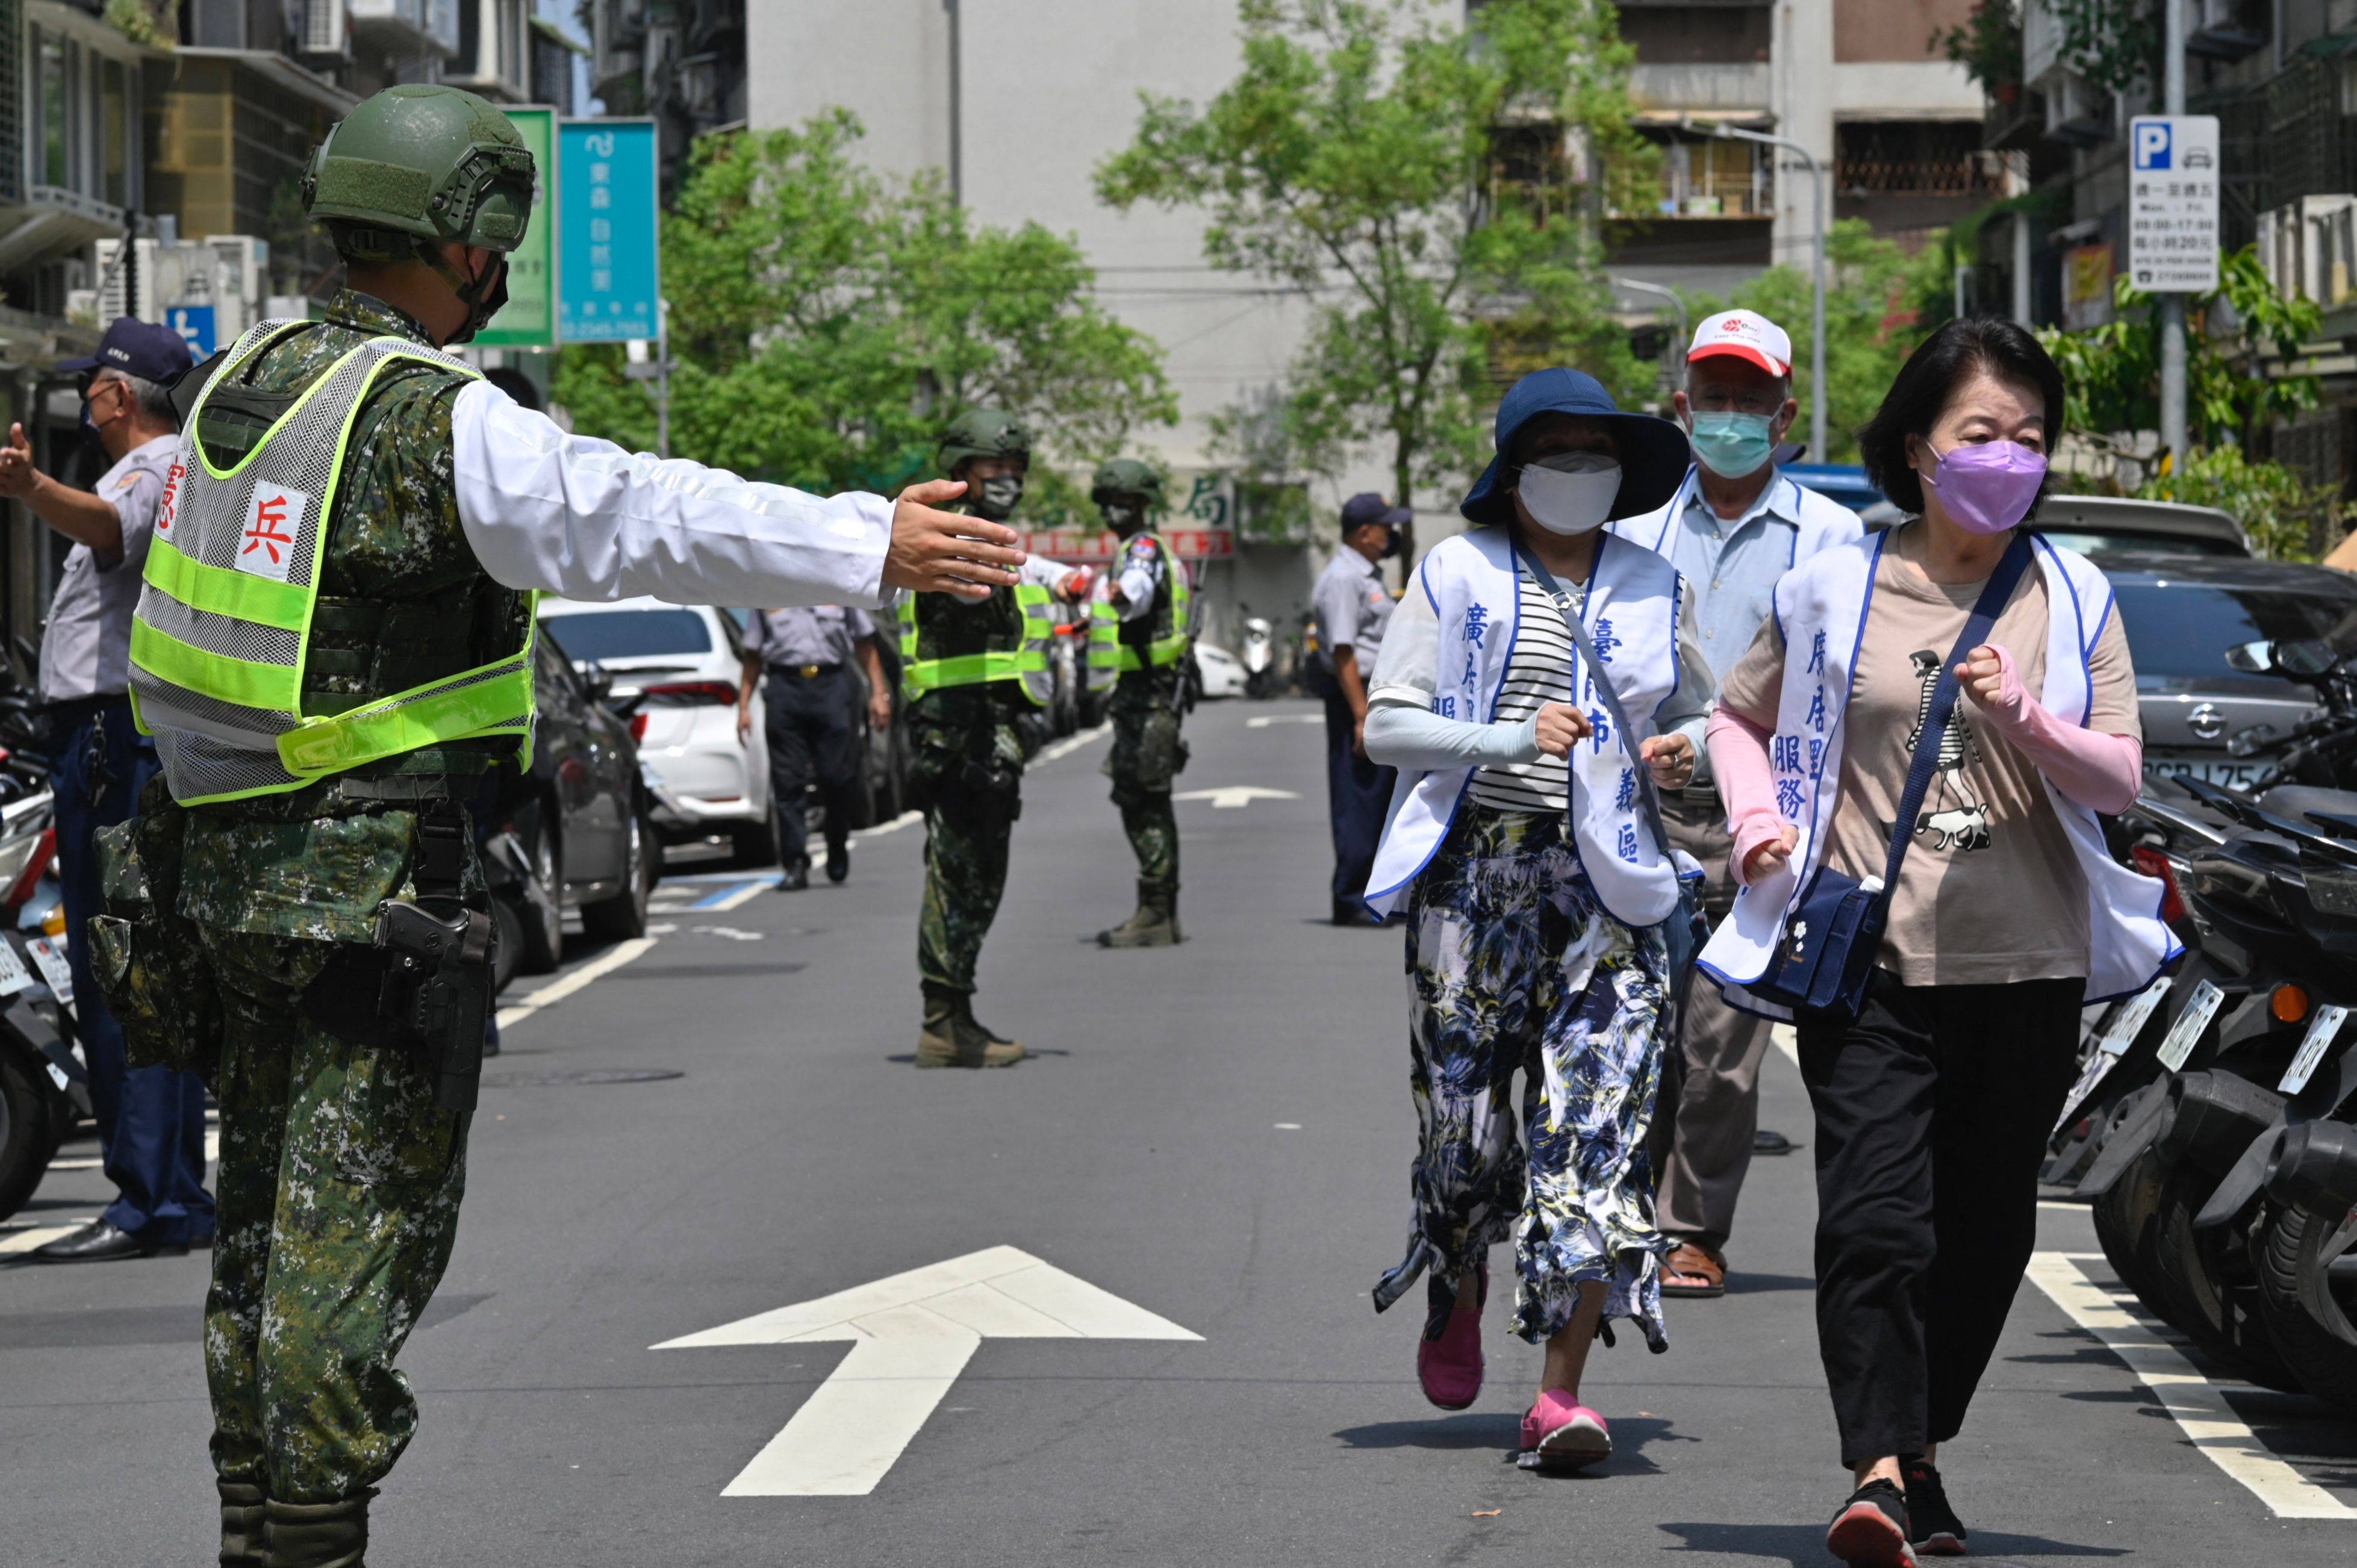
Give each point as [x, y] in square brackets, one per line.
[1988, 488]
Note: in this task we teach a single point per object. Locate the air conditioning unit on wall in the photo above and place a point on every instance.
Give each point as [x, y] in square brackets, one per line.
[327, 32]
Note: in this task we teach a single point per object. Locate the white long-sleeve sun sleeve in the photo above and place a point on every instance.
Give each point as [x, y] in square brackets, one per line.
[573, 515]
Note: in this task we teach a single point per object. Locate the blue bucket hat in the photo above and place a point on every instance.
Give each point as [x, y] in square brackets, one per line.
[1653, 452]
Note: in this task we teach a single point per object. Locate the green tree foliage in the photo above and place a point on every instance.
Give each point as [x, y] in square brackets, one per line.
[2113, 371]
[1988, 45]
[1876, 300]
[827, 322]
[1355, 160]
[2287, 518]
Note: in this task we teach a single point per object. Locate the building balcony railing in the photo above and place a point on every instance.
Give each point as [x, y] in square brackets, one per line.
[1963, 175]
[1668, 90]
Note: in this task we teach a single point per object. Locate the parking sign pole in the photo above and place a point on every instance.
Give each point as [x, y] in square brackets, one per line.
[2172, 304]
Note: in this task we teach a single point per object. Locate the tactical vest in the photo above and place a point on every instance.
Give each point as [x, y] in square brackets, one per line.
[224, 632]
[953, 643]
[1153, 640]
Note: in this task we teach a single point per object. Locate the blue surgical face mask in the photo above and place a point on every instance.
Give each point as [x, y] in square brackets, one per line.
[1733, 444]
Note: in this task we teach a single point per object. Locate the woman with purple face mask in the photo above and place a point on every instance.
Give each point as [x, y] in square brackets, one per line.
[2006, 916]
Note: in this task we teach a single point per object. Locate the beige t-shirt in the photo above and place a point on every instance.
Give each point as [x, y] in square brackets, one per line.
[1990, 890]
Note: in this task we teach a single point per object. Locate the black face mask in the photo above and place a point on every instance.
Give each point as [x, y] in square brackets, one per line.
[89, 431]
[1393, 542]
[483, 298]
[997, 499]
[1125, 518]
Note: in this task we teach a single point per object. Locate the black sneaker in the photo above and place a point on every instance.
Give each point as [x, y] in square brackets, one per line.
[1870, 1531]
[1933, 1525]
[838, 862]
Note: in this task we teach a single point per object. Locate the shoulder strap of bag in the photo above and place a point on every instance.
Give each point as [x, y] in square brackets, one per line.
[2000, 587]
[1570, 612]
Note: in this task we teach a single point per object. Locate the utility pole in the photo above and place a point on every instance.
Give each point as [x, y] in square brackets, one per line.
[2172, 306]
[957, 107]
[1817, 268]
[1677, 307]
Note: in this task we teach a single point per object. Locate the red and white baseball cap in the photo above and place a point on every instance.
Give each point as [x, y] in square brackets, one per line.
[1747, 334]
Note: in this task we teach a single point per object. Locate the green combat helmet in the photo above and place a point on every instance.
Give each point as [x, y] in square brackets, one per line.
[418, 166]
[988, 433]
[1127, 477]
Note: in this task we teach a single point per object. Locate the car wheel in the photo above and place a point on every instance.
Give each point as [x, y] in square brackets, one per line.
[541, 916]
[506, 944]
[756, 843]
[624, 916]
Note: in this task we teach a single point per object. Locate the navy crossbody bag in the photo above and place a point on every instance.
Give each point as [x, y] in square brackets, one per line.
[1826, 956]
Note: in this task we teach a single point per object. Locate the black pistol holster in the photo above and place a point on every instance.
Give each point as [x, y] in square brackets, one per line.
[426, 982]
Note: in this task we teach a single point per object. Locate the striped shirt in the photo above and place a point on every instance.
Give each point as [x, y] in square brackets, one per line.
[1539, 672]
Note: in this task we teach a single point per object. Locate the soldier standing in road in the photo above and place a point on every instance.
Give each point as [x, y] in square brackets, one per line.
[1353, 607]
[977, 679]
[334, 642]
[812, 723]
[1138, 639]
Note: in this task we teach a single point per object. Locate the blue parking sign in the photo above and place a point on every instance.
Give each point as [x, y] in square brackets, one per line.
[194, 322]
[608, 270]
[2152, 140]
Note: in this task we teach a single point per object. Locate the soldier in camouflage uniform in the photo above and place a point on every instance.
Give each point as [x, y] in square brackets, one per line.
[1140, 637]
[342, 1157]
[977, 679]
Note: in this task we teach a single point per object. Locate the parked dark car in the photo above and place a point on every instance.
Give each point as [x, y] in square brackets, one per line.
[2182, 613]
[575, 831]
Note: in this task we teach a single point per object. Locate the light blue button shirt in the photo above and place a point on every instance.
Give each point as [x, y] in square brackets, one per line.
[1731, 565]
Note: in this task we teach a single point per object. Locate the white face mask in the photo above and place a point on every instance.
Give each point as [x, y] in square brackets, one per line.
[1571, 493]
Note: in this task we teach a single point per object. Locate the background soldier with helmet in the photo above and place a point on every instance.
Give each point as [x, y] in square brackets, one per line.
[333, 644]
[977, 679]
[1138, 642]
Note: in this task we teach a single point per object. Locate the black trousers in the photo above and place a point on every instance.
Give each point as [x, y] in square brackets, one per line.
[1933, 1111]
[813, 726]
[1359, 793]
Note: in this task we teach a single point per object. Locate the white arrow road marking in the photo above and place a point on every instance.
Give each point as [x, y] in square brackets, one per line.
[1267, 719]
[911, 1336]
[1072, 743]
[2198, 1405]
[1235, 797]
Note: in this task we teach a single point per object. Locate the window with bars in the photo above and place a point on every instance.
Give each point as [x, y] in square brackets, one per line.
[1909, 158]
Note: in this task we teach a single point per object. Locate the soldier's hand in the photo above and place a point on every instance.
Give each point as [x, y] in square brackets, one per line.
[1561, 728]
[879, 711]
[16, 470]
[941, 552]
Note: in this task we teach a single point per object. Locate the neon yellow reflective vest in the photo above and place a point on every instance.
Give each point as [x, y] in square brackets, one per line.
[223, 632]
[1161, 639]
[1016, 649]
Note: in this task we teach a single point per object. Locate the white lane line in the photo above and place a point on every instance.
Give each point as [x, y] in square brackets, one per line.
[745, 894]
[2198, 1405]
[1267, 719]
[1072, 743]
[894, 826]
[566, 985]
[33, 1236]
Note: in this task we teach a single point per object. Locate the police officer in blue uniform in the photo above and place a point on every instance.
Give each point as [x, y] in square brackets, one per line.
[1351, 606]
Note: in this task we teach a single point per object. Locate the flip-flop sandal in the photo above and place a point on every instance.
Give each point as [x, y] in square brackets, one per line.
[1693, 1273]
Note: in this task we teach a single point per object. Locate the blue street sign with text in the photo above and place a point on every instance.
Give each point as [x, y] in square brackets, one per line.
[608, 277]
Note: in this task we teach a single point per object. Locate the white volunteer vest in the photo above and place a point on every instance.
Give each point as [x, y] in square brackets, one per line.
[1631, 615]
[1822, 606]
[1818, 521]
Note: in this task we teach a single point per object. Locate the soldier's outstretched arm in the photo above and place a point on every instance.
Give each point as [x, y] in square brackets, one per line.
[581, 517]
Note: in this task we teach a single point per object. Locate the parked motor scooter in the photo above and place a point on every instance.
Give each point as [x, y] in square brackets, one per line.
[43, 1083]
[1258, 656]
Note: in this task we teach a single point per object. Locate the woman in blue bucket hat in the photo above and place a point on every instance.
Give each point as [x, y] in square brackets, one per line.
[1535, 890]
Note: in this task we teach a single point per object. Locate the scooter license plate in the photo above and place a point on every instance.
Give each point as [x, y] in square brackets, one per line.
[14, 975]
[2335, 893]
[2320, 1036]
[2129, 1021]
[2186, 1032]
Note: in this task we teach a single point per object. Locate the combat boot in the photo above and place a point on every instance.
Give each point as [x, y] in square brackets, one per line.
[951, 1037]
[317, 1535]
[1155, 924]
[241, 1527]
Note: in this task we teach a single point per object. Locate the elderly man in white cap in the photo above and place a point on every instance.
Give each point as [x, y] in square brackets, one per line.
[1734, 527]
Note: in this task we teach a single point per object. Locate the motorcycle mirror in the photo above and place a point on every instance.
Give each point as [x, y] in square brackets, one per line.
[598, 680]
[2251, 658]
[2304, 656]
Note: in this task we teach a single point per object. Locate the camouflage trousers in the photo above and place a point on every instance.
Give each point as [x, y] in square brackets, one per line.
[968, 778]
[1148, 754]
[340, 1184]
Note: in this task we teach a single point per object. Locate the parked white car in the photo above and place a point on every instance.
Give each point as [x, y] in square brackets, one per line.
[684, 662]
[1223, 672]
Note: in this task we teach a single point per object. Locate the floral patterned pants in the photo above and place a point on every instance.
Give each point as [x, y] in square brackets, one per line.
[1514, 965]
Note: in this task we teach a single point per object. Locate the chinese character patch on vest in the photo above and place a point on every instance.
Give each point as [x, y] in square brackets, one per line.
[271, 521]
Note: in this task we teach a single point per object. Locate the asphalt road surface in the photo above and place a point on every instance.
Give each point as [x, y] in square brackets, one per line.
[1216, 1136]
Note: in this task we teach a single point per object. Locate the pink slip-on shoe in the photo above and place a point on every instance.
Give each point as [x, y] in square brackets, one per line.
[1562, 1434]
[1449, 1368]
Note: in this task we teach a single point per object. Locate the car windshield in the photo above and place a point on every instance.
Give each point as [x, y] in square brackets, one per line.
[2086, 542]
[631, 634]
[2180, 632]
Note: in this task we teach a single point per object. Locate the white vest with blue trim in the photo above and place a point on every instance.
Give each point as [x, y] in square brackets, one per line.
[1819, 522]
[1631, 615]
[1821, 607]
